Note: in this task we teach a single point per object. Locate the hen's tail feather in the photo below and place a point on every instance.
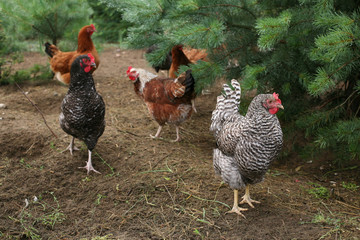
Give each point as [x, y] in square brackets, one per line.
[189, 82]
[226, 106]
[49, 49]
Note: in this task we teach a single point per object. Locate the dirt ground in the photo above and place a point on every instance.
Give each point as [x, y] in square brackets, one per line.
[150, 189]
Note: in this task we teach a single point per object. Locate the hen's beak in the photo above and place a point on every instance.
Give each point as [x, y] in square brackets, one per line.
[93, 65]
[280, 106]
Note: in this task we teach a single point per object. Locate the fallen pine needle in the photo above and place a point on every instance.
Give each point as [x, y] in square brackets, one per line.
[345, 204]
[133, 205]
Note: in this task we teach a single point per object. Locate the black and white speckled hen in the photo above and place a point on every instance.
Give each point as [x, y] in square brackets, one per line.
[83, 109]
[246, 145]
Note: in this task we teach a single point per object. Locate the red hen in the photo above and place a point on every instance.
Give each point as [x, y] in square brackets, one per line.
[167, 99]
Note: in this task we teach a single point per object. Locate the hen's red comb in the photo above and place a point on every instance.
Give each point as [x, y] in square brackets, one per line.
[128, 71]
[92, 25]
[276, 96]
[91, 57]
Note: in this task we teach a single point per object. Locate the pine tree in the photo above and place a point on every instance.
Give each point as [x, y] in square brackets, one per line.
[308, 50]
[54, 20]
[108, 21]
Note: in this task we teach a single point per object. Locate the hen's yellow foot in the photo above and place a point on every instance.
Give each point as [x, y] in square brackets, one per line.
[246, 198]
[238, 210]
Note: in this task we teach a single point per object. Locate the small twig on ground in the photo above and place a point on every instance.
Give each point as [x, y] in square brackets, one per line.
[217, 190]
[347, 205]
[133, 205]
[341, 170]
[32, 103]
[327, 208]
[172, 199]
[30, 147]
[160, 161]
[124, 131]
[349, 213]
[151, 204]
[208, 200]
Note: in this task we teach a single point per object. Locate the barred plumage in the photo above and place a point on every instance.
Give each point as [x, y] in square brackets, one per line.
[246, 144]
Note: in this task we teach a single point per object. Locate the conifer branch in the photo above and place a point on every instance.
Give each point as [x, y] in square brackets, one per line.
[347, 99]
[51, 26]
[344, 65]
[240, 26]
[230, 5]
[357, 111]
[39, 30]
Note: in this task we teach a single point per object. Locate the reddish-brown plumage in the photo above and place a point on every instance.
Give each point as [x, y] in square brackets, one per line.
[167, 99]
[178, 59]
[162, 104]
[163, 91]
[195, 55]
[60, 62]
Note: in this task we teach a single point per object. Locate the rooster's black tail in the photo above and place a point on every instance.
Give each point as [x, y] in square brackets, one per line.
[189, 82]
[48, 49]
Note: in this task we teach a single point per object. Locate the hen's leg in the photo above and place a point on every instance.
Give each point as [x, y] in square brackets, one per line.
[246, 198]
[89, 167]
[193, 105]
[177, 135]
[236, 208]
[157, 133]
[71, 146]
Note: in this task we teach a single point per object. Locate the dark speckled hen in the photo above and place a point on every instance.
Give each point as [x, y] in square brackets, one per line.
[83, 109]
[246, 145]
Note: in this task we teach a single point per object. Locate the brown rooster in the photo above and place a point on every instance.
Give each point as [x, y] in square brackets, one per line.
[167, 99]
[60, 62]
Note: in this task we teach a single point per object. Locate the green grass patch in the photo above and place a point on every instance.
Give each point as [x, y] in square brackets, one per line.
[39, 211]
[318, 191]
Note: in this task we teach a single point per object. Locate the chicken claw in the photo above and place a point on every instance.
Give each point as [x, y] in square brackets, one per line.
[89, 167]
[246, 198]
[238, 210]
[71, 147]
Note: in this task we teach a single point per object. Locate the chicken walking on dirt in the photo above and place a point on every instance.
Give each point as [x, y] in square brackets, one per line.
[60, 62]
[246, 145]
[167, 99]
[83, 110]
